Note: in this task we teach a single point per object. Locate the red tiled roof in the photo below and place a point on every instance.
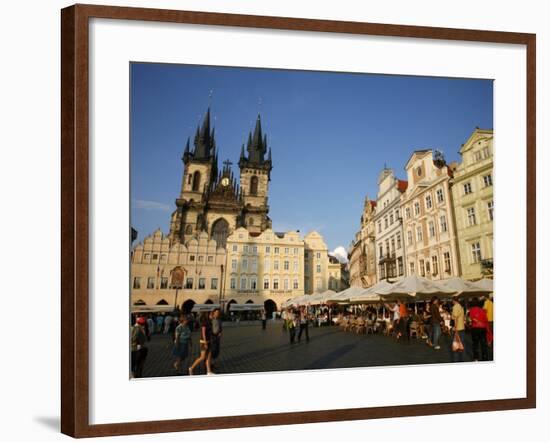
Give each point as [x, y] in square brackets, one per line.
[373, 204]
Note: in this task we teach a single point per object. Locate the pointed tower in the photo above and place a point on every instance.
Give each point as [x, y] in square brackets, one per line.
[255, 174]
[200, 170]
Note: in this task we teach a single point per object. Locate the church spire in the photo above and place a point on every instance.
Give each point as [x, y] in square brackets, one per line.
[205, 142]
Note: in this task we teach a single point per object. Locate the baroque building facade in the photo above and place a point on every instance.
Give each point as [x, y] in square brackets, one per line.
[390, 251]
[472, 189]
[362, 250]
[428, 218]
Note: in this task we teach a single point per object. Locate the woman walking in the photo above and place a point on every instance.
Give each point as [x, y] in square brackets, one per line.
[205, 336]
[139, 350]
[182, 342]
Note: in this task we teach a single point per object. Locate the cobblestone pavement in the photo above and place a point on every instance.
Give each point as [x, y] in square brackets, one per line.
[246, 348]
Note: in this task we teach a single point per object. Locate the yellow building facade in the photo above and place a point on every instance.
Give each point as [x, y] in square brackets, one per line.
[265, 268]
[472, 188]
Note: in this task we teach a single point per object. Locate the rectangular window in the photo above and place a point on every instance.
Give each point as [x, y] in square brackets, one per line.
[164, 282]
[379, 226]
[295, 284]
[253, 283]
[381, 251]
[287, 251]
[266, 283]
[435, 266]
[163, 258]
[419, 233]
[396, 215]
[267, 249]
[400, 265]
[385, 222]
[431, 228]
[488, 180]
[476, 252]
[393, 245]
[417, 208]
[233, 284]
[428, 271]
[214, 284]
[443, 223]
[471, 211]
[266, 264]
[202, 283]
[189, 283]
[151, 282]
[244, 264]
[318, 268]
[387, 242]
[235, 247]
[276, 251]
[254, 249]
[428, 202]
[318, 255]
[201, 258]
[146, 256]
[295, 266]
[210, 259]
[478, 156]
[275, 284]
[411, 268]
[155, 256]
[440, 196]
[447, 260]
[408, 213]
[296, 250]
[275, 265]
[422, 268]
[233, 264]
[391, 219]
[137, 282]
[243, 283]
[409, 237]
[192, 258]
[398, 240]
[490, 209]
[286, 265]
[245, 249]
[467, 188]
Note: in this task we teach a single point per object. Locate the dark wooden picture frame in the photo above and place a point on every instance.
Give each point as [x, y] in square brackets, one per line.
[75, 219]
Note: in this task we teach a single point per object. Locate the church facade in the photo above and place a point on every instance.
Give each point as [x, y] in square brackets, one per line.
[215, 212]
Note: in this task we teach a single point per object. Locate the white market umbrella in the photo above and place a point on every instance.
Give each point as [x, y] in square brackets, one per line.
[461, 287]
[412, 288]
[485, 283]
[369, 295]
[345, 295]
[321, 298]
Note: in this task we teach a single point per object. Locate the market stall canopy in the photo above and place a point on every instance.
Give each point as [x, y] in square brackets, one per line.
[245, 307]
[321, 298]
[152, 308]
[199, 308]
[344, 296]
[484, 283]
[413, 288]
[463, 288]
[369, 295]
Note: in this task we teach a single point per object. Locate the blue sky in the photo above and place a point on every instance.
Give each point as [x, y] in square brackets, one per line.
[330, 134]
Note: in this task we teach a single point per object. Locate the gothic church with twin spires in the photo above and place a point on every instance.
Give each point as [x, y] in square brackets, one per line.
[211, 200]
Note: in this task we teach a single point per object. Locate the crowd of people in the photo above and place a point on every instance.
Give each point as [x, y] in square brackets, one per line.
[429, 321]
[180, 328]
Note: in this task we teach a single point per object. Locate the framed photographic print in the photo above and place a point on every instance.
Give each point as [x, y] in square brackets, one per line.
[256, 206]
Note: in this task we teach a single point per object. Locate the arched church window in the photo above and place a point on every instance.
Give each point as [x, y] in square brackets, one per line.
[254, 185]
[220, 232]
[196, 181]
[189, 229]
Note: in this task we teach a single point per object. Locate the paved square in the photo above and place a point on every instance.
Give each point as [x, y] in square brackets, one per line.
[246, 348]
